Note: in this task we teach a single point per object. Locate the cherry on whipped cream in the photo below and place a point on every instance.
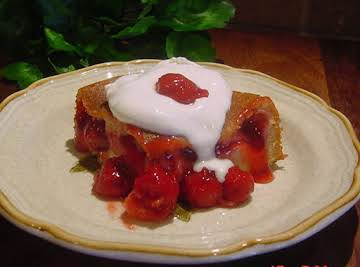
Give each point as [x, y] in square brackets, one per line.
[179, 88]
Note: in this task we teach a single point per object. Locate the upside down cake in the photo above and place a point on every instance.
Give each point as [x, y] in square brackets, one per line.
[175, 133]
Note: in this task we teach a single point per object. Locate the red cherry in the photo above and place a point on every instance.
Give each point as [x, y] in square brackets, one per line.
[202, 189]
[154, 195]
[237, 187]
[115, 179]
[179, 88]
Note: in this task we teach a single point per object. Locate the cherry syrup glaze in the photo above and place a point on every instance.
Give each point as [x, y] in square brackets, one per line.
[125, 146]
[254, 128]
[250, 141]
[179, 88]
[133, 154]
[115, 210]
[169, 152]
[179, 162]
[156, 146]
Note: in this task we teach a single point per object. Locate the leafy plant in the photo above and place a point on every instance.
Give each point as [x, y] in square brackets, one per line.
[44, 37]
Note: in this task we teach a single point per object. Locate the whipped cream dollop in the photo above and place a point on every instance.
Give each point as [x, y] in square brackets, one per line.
[133, 99]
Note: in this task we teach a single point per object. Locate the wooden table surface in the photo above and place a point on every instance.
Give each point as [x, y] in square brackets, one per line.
[330, 69]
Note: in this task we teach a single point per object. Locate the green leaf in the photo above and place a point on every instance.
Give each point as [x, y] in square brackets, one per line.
[182, 214]
[88, 38]
[84, 62]
[146, 10]
[59, 69]
[138, 28]
[91, 47]
[57, 42]
[108, 20]
[88, 163]
[22, 72]
[78, 32]
[69, 68]
[190, 15]
[192, 45]
[78, 168]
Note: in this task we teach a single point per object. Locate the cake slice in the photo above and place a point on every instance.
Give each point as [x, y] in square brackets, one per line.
[251, 135]
[153, 171]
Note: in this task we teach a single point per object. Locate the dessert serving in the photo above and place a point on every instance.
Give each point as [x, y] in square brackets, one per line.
[176, 133]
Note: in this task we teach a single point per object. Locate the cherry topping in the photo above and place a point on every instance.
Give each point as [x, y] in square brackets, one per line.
[115, 178]
[253, 129]
[202, 189]
[179, 162]
[90, 135]
[134, 156]
[81, 120]
[179, 88]
[237, 187]
[247, 148]
[154, 195]
[81, 116]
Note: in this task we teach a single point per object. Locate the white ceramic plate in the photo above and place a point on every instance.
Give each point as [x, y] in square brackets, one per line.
[318, 181]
